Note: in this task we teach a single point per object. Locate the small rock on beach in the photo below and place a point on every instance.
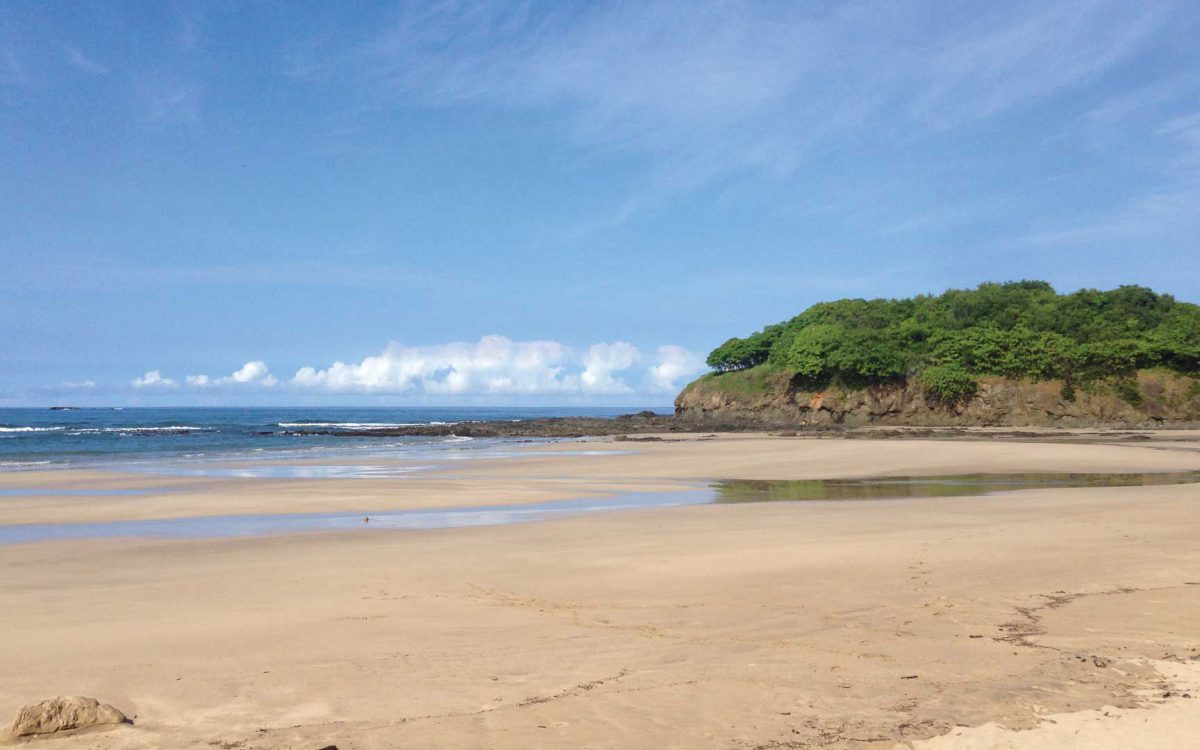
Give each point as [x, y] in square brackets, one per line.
[63, 714]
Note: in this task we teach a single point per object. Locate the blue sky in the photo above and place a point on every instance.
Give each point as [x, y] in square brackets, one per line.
[438, 203]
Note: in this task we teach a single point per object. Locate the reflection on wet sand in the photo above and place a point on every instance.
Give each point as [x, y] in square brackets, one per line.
[884, 488]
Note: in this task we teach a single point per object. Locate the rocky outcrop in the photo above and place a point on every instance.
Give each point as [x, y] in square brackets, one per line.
[63, 714]
[1153, 399]
[560, 427]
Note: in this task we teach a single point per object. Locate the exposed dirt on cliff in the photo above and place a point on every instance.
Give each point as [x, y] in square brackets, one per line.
[1151, 400]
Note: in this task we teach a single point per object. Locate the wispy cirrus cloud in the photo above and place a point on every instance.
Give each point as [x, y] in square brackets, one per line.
[711, 89]
[12, 67]
[172, 103]
[191, 27]
[84, 63]
[1166, 210]
[1003, 59]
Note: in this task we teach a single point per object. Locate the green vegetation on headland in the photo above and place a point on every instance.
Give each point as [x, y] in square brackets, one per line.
[1020, 330]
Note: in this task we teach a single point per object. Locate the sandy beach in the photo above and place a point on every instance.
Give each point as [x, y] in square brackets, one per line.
[1060, 617]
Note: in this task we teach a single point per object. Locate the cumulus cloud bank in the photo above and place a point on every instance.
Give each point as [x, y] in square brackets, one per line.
[152, 379]
[493, 365]
[673, 364]
[498, 365]
[252, 373]
[601, 364]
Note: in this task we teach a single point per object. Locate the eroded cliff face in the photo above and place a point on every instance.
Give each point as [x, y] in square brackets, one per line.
[1158, 399]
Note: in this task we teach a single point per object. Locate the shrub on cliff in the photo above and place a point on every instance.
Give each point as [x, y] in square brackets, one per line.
[739, 354]
[832, 352]
[947, 384]
[1020, 329]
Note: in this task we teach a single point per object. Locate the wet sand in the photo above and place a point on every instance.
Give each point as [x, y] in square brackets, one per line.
[1035, 619]
[557, 471]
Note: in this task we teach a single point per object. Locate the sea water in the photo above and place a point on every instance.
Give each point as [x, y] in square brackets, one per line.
[44, 438]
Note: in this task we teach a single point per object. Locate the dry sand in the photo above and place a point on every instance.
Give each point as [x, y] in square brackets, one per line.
[1030, 620]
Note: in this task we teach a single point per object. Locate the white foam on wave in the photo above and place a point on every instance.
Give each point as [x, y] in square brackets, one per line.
[110, 430]
[31, 429]
[168, 428]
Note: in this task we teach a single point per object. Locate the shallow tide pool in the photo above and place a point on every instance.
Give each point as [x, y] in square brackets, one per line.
[725, 492]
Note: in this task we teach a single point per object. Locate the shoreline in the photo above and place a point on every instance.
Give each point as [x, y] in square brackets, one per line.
[517, 435]
[651, 423]
[559, 471]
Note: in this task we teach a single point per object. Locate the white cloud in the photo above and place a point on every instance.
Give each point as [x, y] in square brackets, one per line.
[80, 385]
[674, 366]
[497, 365]
[254, 373]
[494, 365]
[152, 379]
[602, 362]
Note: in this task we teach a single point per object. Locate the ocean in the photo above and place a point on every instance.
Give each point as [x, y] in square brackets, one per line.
[44, 438]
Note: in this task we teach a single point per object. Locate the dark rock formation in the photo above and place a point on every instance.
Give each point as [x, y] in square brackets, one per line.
[562, 427]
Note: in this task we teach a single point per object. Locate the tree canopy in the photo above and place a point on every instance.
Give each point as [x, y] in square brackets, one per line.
[1021, 329]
